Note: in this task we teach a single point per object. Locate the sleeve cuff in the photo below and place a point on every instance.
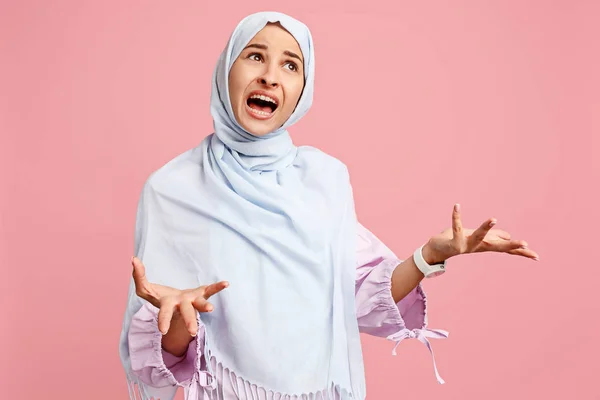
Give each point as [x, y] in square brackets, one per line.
[149, 361]
[376, 311]
[379, 315]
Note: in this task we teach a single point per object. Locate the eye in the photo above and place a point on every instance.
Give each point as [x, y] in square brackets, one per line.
[293, 66]
[255, 56]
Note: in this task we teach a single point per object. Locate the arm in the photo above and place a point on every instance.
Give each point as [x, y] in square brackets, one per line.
[388, 290]
[405, 278]
[398, 315]
[407, 275]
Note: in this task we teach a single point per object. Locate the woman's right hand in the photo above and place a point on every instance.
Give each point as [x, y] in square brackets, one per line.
[175, 306]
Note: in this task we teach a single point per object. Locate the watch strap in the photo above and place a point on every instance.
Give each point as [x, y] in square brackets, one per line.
[428, 270]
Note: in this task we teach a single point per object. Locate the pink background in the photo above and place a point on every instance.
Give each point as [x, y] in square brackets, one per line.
[491, 104]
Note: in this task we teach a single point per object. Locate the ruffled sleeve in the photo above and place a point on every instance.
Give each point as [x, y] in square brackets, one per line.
[376, 311]
[149, 361]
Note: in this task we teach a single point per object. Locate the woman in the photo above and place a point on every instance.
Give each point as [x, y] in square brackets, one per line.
[275, 224]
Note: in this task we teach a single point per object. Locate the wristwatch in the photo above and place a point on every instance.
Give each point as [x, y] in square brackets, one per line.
[429, 271]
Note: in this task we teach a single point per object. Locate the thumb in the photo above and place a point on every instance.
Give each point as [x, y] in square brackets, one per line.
[139, 272]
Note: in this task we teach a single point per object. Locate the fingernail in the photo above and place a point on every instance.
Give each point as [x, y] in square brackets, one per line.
[163, 333]
[536, 258]
[132, 258]
[492, 223]
[457, 207]
[194, 334]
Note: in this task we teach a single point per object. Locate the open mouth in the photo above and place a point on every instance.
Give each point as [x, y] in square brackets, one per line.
[261, 104]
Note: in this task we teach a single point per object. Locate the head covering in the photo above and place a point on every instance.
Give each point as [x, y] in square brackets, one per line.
[275, 220]
[274, 150]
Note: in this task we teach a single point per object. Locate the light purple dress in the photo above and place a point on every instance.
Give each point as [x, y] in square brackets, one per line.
[376, 312]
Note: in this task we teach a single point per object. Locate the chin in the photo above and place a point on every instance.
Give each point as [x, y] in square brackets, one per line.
[258, 129]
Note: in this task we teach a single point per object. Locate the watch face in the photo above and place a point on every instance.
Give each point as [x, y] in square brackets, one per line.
[436, 273]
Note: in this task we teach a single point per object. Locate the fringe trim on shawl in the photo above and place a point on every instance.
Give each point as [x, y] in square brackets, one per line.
[245, 390]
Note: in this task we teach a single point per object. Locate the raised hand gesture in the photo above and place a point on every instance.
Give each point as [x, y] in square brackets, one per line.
[458, 240]
[177, 307]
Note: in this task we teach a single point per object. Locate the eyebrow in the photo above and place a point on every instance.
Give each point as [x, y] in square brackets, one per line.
[265, 47]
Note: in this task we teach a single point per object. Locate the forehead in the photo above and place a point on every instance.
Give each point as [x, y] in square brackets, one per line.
[275, 36]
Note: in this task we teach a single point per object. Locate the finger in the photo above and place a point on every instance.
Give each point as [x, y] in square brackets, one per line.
[456, 222]
[506, 246]
[139, 278]
[479, 234]
[525, 253]
[165, 315]
[202, 305]
[139, 271]
[214, 288]
[189, 317]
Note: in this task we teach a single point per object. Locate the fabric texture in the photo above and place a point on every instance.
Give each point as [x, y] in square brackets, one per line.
[377, 315]
[275, 220]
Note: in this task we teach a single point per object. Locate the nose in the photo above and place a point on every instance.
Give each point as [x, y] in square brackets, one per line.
[269, 77]
[267, 82]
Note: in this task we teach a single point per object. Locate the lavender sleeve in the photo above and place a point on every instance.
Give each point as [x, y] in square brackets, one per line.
[376, 311]
[150, 362]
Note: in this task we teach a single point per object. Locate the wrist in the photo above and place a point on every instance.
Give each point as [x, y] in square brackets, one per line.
[177, 339]
[430, 256]
[176, 342]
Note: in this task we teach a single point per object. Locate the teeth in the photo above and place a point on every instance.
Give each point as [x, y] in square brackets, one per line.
[259, 112]
[264, 98]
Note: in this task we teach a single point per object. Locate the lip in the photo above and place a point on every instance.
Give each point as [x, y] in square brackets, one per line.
[258, 116]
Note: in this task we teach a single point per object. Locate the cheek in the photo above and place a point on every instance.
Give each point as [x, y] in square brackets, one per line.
[233, 92]
[236, 84]
[293, 93]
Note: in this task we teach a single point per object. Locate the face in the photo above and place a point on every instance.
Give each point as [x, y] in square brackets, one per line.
[266, 80]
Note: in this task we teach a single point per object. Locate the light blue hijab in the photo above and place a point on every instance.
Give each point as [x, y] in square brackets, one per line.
[275, 220]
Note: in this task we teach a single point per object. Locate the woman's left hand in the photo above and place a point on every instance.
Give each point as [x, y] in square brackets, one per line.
[458, 240]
